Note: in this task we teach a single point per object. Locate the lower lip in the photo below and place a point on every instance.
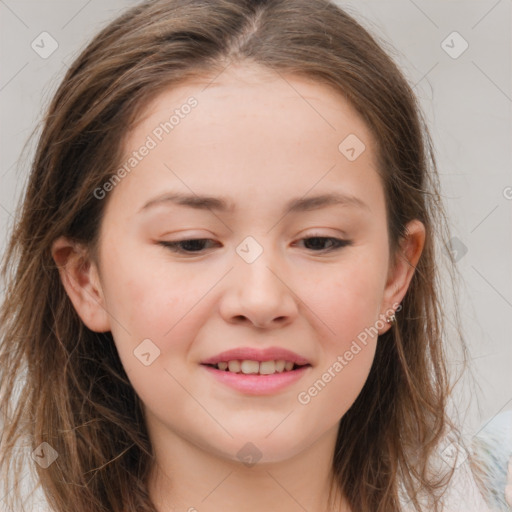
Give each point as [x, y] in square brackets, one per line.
[253, 384]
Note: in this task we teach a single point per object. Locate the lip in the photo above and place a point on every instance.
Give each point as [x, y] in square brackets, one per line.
[258, 384]
[257, 354]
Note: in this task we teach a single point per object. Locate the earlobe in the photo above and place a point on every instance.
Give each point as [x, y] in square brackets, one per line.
[80, 278]
[400, 275]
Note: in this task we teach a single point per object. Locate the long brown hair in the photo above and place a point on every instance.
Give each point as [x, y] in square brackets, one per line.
[73, 391]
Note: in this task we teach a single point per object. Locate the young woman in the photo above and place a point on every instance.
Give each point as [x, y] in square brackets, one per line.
[223, 291]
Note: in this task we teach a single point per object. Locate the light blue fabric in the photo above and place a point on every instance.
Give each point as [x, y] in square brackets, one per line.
[491, 448]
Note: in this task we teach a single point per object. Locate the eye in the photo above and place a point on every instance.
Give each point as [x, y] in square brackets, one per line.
[186, 246]
[196, 245]
[336, 243]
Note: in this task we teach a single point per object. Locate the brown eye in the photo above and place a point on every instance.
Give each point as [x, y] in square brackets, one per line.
[192, 246]
[319, 241]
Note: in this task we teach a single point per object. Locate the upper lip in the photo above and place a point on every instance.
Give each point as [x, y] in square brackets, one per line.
[256, 354]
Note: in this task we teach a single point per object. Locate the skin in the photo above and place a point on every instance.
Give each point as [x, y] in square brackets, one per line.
[253, 138]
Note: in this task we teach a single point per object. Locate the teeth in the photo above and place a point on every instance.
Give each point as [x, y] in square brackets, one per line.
[280, 364]
[250, 367]
[254, 367]
[234, 366]
[267, 367]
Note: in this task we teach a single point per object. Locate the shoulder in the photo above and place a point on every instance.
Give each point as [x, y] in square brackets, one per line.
[491, 461]
[482, 468]
[464, 493]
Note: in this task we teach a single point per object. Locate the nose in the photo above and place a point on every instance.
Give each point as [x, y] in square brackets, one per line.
[259, 293]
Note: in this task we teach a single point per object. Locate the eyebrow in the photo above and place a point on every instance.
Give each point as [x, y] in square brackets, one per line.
[224, 204]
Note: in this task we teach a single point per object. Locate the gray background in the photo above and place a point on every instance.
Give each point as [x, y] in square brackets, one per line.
[467, 101]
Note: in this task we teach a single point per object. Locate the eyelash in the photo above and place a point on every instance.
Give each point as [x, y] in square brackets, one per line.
[177, 246]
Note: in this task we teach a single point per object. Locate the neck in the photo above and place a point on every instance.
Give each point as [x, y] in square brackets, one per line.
[189, 478]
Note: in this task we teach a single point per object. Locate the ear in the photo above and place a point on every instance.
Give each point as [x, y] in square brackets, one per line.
[80, 278]
[400, 274]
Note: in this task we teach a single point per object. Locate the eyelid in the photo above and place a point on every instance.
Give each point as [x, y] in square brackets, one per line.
[339, 243]
[321, 234]
[174, 246]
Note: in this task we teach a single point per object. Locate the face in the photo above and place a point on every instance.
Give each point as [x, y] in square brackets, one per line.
[262, 276]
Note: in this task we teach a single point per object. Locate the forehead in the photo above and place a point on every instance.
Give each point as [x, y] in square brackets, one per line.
[245, 95]
[254, 131]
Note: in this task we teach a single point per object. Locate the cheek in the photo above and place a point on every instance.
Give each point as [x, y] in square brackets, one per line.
[334, 390]
[155, 321]
[144, 302]
[346, 302]
[143, 294]
[347, 299]
[162, 303]
[347, 309]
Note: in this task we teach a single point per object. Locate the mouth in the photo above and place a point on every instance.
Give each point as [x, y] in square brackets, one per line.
[257, 378]
[251, 367]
